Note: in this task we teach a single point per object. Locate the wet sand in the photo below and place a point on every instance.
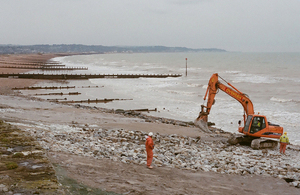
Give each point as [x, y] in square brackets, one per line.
[19, 60]
[120, 177]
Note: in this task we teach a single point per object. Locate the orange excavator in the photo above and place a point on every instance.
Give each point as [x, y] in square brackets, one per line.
[256, 131]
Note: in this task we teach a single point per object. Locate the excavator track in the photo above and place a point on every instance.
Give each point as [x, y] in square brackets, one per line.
[262, 143]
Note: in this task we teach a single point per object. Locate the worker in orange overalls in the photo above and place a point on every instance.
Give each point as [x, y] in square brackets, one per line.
[149, 149]
[284, 140]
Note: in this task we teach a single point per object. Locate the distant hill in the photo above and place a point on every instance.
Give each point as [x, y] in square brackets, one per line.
[76, 48]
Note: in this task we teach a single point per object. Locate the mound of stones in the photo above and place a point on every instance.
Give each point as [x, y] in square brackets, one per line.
[174, 151]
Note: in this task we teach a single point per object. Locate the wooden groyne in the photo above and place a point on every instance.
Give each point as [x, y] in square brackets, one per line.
[70, 93]
[56, 99]
[32, 63]
[142, 110]
[46, 67]
[53, 87]
[85, 76]
[93, 86]
[57, 65]
[36, 88]
[92, 101]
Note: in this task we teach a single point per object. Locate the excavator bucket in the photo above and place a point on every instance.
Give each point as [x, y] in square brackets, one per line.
[202, 125]
[201, 121]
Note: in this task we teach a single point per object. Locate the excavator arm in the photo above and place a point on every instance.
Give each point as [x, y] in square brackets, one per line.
[213, 87]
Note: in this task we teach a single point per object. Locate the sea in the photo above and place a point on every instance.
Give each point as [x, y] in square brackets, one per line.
[271, 80]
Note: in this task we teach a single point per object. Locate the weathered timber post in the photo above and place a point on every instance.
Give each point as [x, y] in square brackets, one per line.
[186, 67]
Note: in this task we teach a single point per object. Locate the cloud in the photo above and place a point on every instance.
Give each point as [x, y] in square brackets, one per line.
[187, 2]
[234, 25]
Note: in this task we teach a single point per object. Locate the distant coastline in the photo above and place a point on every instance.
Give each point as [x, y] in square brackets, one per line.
[95, 49]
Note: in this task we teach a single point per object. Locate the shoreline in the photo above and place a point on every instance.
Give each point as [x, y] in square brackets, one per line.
[72, 135]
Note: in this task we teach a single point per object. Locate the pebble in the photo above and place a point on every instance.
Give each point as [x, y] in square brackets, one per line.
[3, 188]
[174, 151]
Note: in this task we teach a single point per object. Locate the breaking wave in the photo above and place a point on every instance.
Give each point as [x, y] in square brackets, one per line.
[251, 78]
[283, 100]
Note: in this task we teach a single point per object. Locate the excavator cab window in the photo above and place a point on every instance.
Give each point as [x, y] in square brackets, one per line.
[248, 121]
[263, 122]
[258, 123]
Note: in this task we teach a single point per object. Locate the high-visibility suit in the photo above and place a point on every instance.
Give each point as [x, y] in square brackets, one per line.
[284, 140]
[149, 147]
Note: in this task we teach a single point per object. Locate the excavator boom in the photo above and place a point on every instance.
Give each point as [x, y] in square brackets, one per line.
[213, 86]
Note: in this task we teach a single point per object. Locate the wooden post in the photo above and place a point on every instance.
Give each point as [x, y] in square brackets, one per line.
[186, 67]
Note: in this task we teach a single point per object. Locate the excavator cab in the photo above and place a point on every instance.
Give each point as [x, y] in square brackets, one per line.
[253, 124]
[258, 126]
[258, 123]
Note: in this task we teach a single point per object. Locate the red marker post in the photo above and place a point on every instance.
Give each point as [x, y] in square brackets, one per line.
[186, 67]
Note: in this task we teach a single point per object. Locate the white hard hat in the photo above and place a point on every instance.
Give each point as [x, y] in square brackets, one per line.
[150, 134]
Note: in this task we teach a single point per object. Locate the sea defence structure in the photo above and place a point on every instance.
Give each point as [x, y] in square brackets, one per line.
[85, 76]
[46, 67]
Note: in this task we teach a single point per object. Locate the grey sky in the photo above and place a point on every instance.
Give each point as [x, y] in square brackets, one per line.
[233, 25]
